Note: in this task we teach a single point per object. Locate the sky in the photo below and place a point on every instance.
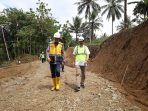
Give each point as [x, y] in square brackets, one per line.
[63, 10]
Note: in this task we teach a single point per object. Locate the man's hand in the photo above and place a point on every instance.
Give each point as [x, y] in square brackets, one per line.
[49, 60]
[64, 61]
[86, 62]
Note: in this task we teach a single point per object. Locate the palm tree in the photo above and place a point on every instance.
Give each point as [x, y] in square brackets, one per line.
[95, 23]
[114, 9]
[77, 26]
[141, 8]
[88, 6]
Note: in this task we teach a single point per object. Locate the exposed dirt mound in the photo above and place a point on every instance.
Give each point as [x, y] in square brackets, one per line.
[124, 58]
[28, 58]
[16, 70]
[69, 56]
[94, 49]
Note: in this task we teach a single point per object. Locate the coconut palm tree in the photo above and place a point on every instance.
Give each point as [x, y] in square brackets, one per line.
[88, 6]
[113, 8]
[95, 23]
[77, 26]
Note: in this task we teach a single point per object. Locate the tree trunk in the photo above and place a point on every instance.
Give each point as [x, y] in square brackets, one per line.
[112, 26]
[125, 14]
[18, 50]
[34, 48]
[76, 37]
[92, 30]
[5, 44]
[30, 46]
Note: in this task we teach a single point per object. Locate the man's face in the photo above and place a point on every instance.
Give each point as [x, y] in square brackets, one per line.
[81, 42]
[56, 40]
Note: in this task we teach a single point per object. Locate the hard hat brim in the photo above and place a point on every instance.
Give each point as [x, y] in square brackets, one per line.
[81, 40]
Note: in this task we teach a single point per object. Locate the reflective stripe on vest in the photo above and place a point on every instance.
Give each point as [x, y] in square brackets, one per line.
[55, 50]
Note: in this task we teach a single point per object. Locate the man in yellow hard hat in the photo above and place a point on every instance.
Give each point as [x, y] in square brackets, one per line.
[55, 53]
[81, 53]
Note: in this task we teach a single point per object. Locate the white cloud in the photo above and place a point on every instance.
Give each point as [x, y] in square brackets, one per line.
[1, 7]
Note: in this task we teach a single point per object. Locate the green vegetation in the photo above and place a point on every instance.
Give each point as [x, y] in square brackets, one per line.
[25, 32]
[98, 41]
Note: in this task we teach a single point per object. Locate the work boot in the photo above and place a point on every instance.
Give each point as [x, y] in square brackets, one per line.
[77, 89]
[82, 85]
[54, 84]
[57, 83]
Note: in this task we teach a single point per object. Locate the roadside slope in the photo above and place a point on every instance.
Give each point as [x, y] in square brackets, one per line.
[124, 58]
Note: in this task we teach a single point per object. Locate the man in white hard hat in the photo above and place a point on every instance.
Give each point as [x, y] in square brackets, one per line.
[55, 53]
[81, 53]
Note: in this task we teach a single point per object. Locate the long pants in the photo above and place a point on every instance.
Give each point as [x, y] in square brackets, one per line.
[62, 65]
[55, 70]
[42, 60]
[80, 75]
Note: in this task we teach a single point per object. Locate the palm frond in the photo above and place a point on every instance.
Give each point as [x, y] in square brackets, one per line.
[133, 2]
[107, 9]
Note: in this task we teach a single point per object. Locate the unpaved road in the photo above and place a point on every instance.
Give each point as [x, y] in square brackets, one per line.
[31, 92]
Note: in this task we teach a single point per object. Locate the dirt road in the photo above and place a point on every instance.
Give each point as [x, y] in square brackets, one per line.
[31, 92]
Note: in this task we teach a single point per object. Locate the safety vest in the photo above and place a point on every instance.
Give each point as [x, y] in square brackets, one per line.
[80, 53]
[55, 50]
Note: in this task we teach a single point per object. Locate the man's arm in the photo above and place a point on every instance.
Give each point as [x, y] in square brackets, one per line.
[63, 53]
[74, 55]
[47, 54]
[87, 54]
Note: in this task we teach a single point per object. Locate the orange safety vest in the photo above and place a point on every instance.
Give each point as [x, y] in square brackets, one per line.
[55, 50]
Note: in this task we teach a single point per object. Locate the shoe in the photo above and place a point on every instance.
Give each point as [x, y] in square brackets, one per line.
[82, 85]
[57, 83]
[77, 89]
[54, 84]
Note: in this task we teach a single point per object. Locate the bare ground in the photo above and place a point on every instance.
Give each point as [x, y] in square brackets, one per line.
[30, 91]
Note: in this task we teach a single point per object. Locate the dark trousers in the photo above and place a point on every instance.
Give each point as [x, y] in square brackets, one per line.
[55, 70]
[62, 65]
[42, 60]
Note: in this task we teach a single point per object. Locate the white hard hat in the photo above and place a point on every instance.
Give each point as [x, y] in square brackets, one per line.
[57, 35]
[81, 38]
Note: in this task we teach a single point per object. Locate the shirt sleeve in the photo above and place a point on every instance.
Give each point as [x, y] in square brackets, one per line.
[74, 51]
[87, 51]
[63, 52]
